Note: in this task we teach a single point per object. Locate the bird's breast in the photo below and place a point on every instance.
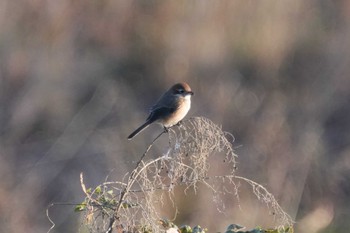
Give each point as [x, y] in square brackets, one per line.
[178, 114]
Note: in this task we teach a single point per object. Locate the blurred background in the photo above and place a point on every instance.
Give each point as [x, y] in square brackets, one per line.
[77, 77]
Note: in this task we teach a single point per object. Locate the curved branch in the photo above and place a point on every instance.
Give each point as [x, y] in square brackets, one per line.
[131, 181]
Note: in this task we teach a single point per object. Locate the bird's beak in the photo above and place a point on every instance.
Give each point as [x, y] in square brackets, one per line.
[190, 93]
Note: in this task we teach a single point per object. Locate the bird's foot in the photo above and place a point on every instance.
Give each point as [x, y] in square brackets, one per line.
[166, 130]
[179, 123]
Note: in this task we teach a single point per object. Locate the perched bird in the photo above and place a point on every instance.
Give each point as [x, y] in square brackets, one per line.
[170, 109]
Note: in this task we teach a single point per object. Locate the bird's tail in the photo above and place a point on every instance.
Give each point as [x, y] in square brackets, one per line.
[139, 129]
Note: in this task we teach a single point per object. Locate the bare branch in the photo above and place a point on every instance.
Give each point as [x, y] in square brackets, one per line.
[194, 146]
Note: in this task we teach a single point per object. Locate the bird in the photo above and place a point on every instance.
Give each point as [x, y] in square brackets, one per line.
[170, 108]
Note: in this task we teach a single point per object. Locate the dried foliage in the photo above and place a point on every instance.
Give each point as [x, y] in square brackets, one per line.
[132, 204]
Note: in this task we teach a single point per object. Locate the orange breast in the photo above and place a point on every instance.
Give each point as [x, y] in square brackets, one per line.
[178, 115]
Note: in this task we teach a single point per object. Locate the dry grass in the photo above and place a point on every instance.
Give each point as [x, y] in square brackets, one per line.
[132, 204]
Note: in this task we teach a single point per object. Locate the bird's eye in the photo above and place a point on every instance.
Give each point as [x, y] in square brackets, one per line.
[180, 91]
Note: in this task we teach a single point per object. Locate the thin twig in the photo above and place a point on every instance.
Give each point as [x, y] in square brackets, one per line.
[134, 205]
[130, 183]
[48, 217]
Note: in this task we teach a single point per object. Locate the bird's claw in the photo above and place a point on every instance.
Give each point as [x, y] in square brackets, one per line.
[179, 123]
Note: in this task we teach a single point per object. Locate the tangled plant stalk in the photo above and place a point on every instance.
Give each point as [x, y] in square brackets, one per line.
[130, 205]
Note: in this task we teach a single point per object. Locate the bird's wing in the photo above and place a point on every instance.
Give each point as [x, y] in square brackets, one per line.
[156, 113]
[165, 101]
[163, 107]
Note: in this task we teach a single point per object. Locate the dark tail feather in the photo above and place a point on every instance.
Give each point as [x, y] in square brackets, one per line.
[139, 129]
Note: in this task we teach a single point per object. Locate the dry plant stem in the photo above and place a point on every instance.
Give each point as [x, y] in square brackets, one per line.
[85, 190]
[193, 146]
[265, 196]
[131, 181]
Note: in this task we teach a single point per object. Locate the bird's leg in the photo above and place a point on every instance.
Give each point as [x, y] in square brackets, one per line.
[166, 130]
[179, 123]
